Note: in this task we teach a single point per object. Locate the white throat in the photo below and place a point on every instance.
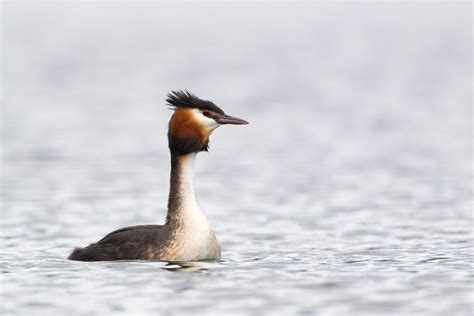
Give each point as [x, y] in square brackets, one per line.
[189, 208]
[186, 176]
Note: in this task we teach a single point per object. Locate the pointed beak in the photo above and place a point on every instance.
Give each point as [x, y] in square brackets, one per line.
[227, 119]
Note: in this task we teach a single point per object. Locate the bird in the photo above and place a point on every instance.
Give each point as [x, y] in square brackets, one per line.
[186, 234]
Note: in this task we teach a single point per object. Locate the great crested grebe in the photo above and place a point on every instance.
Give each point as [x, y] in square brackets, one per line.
[186, 235]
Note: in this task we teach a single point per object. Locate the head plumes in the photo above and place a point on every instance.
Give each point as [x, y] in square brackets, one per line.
[193, 122]
[184, 99]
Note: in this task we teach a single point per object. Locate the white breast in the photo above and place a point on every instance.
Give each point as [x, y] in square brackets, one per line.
[196, 241]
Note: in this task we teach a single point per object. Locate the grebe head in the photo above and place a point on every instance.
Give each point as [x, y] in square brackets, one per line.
[193, 122]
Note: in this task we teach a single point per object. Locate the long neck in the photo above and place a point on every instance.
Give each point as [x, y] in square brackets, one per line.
[182, 204]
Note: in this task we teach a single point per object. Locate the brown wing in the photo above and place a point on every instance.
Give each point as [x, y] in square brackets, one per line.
[134, 228]
[122, 244]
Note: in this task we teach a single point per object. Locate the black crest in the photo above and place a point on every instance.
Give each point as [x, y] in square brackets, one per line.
[185, 99]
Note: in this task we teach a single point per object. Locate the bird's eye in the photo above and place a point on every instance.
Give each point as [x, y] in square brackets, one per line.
[206, 113]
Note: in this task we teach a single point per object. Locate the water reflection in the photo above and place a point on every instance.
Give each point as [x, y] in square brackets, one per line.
[189, 266]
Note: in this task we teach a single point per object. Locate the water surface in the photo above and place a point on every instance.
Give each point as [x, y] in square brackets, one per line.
[349, 193]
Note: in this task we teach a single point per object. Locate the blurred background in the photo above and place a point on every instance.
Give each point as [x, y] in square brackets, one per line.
[349, 193]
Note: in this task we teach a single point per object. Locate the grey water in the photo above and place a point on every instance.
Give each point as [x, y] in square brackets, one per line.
[350, 192]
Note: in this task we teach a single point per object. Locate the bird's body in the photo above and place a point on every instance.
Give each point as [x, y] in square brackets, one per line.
[186, 235]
